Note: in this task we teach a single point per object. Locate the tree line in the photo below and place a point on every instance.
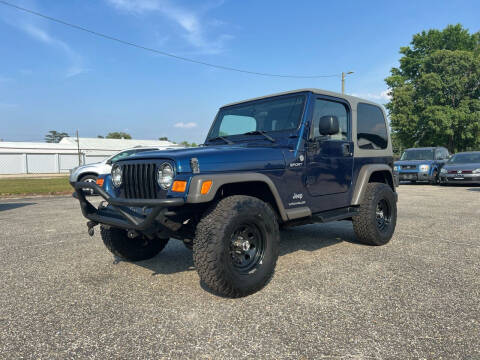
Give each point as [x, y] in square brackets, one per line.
[435, 92]
[54, 136]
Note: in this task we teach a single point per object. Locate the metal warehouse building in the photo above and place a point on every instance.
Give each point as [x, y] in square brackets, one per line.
[47, 158]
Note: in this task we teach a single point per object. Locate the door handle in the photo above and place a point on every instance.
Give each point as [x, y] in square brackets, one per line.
[346, 149]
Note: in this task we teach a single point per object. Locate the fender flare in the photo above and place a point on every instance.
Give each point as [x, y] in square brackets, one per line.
[362, 180]
[218, 180]
[87, 173]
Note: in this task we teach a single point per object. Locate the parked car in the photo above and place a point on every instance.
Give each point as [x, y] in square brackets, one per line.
[90, 172]
[462, 168]
[288, 159]
[421, 164]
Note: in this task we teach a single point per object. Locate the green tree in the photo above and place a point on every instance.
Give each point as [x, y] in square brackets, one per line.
[397, 146]
[55, 136]
[435, 92]
[118, 135]
[187, 144]
[163, 138]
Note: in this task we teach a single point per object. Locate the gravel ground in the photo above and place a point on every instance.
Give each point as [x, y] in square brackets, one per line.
[64, 296]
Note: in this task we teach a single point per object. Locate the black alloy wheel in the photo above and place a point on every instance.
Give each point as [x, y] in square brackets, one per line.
[383, 215]
[247, 248]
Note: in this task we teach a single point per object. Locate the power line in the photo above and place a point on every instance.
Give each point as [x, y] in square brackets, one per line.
[128, 43]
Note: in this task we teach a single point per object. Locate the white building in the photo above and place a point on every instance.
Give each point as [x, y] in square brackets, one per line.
[43, 158]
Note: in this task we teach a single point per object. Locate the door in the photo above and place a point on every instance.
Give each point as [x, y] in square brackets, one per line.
[329, 157]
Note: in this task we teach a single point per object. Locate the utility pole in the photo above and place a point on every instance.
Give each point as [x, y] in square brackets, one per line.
[343, 80]
[78, 148]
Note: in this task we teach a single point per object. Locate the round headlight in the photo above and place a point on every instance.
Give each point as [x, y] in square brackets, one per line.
[117, 175]
[395, 168]
[165, 175]
[424, 167]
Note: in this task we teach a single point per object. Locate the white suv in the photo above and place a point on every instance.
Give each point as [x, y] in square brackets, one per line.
[90, 172]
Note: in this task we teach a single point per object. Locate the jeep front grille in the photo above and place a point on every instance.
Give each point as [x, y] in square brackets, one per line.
[409, 167]
[140, 181]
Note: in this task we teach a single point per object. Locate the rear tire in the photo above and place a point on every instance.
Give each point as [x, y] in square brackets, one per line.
[377, 218]
[136, 249]
[236, 246]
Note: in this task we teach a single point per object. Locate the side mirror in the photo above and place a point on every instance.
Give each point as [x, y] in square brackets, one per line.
[109, 162]
[328, 125]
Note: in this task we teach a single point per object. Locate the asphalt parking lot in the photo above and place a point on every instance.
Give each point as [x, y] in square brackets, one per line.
[64, 296]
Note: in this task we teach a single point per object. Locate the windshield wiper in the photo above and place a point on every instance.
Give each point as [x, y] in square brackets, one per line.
[229, 142]
[260, 132]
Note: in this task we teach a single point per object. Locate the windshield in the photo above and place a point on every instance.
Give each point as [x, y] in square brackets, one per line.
[417, 155]
[127, 153]
[465, 158]
[277, 114]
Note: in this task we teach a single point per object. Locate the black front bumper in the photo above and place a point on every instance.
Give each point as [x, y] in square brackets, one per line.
[119, 213]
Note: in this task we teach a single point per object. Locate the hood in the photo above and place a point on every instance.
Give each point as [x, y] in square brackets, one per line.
[89, 165]
[414, 162]
[221, 158]
[471, 166]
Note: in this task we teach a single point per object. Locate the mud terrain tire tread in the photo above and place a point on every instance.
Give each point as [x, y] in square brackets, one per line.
[211, 237]
[120, 245]
[364, 223]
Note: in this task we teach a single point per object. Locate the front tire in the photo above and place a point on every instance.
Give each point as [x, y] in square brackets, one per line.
[136, 249]
[377, 218]
[89, 179]
[236, 246]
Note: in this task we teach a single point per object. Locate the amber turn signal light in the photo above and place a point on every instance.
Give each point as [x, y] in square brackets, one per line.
[206, 185]
[179, 186]
[100, 182]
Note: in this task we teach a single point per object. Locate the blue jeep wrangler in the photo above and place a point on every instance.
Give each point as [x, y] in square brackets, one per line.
[421, 164]
[294, 158]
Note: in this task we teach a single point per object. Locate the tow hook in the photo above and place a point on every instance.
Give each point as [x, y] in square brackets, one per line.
[91, 225]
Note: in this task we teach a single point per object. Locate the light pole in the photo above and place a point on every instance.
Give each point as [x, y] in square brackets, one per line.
[343, 80]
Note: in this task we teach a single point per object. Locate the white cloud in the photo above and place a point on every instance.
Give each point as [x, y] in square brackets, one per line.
[183, 125]
[37, 30]
[382, 96]
[190, 21]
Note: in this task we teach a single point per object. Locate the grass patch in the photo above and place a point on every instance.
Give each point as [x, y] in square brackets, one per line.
[35, 186]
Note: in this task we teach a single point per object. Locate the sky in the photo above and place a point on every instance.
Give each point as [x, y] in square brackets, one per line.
[53, 77]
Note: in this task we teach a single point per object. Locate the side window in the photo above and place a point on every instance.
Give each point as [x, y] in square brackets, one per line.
[327, 107]
[438, 154]
[445, 154]
[371, 128]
